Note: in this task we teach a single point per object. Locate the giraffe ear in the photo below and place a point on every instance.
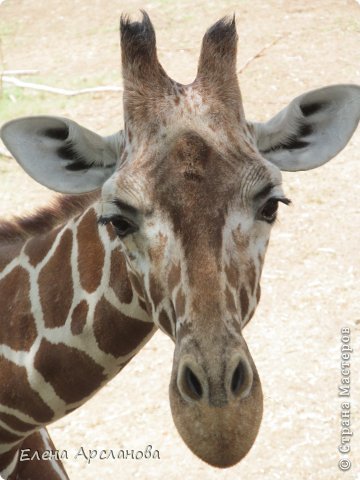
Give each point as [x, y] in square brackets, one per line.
[60, 154]
[312, 129]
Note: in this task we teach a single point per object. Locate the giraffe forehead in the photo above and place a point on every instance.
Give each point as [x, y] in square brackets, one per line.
[196, 167]
[198, 186]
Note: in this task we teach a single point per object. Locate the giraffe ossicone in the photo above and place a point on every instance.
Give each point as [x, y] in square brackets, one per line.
[174, 240]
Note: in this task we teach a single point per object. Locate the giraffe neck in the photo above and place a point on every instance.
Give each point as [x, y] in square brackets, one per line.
[70, 319]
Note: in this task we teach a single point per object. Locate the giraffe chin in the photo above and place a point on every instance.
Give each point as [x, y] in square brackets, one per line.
[219, 435]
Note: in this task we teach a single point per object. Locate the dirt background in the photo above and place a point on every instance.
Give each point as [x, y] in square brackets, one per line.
[310, 286]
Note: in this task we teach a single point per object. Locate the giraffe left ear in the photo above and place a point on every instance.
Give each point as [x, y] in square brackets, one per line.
[312, 129]
[61, 154]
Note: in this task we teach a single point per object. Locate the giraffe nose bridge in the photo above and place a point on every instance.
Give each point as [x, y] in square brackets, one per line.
[214, 378]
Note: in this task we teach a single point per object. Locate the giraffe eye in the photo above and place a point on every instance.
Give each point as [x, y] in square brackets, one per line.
[123, 226]
[269, 210]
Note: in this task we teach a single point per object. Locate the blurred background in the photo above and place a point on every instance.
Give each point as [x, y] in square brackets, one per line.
[310, 286]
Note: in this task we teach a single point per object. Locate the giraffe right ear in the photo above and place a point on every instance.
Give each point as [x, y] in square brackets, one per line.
[60, 154]
[312, 129]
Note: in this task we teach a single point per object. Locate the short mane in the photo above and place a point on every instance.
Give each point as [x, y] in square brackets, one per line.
[62, 208]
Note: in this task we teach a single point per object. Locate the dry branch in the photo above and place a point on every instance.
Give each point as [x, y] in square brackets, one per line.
[260, 53]
[19, 72]
[58, 91]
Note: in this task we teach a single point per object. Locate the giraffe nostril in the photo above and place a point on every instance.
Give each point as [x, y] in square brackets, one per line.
[239, 378]
[191, 384]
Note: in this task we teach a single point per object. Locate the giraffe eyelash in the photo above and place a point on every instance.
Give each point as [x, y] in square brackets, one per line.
[122, 225]
[284, 200]
[103, 220]
[268, 211]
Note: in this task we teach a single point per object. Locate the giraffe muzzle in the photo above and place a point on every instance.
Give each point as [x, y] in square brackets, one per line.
[216, 399]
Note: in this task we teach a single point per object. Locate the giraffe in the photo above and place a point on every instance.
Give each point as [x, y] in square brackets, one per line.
[164, 225]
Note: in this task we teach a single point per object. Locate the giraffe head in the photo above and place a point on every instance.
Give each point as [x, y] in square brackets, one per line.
[182, 202]
[192, 191]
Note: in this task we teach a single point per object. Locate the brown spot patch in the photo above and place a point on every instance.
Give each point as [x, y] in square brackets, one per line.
[18, 393]
[174, 276]
[38, 247]
[17, 325]
[91, 252]
[56, 284]
[116, 333]
[180, 303]
[6, 458]
[119, 280]
[15, 423]
[176, 100]
[72, 373]
[78, 317]
[8, 253]
[244, 301]
[165, 322]
[8, 437]
[155, 291]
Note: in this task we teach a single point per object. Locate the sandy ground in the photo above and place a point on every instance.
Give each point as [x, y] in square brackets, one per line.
[311, 277]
